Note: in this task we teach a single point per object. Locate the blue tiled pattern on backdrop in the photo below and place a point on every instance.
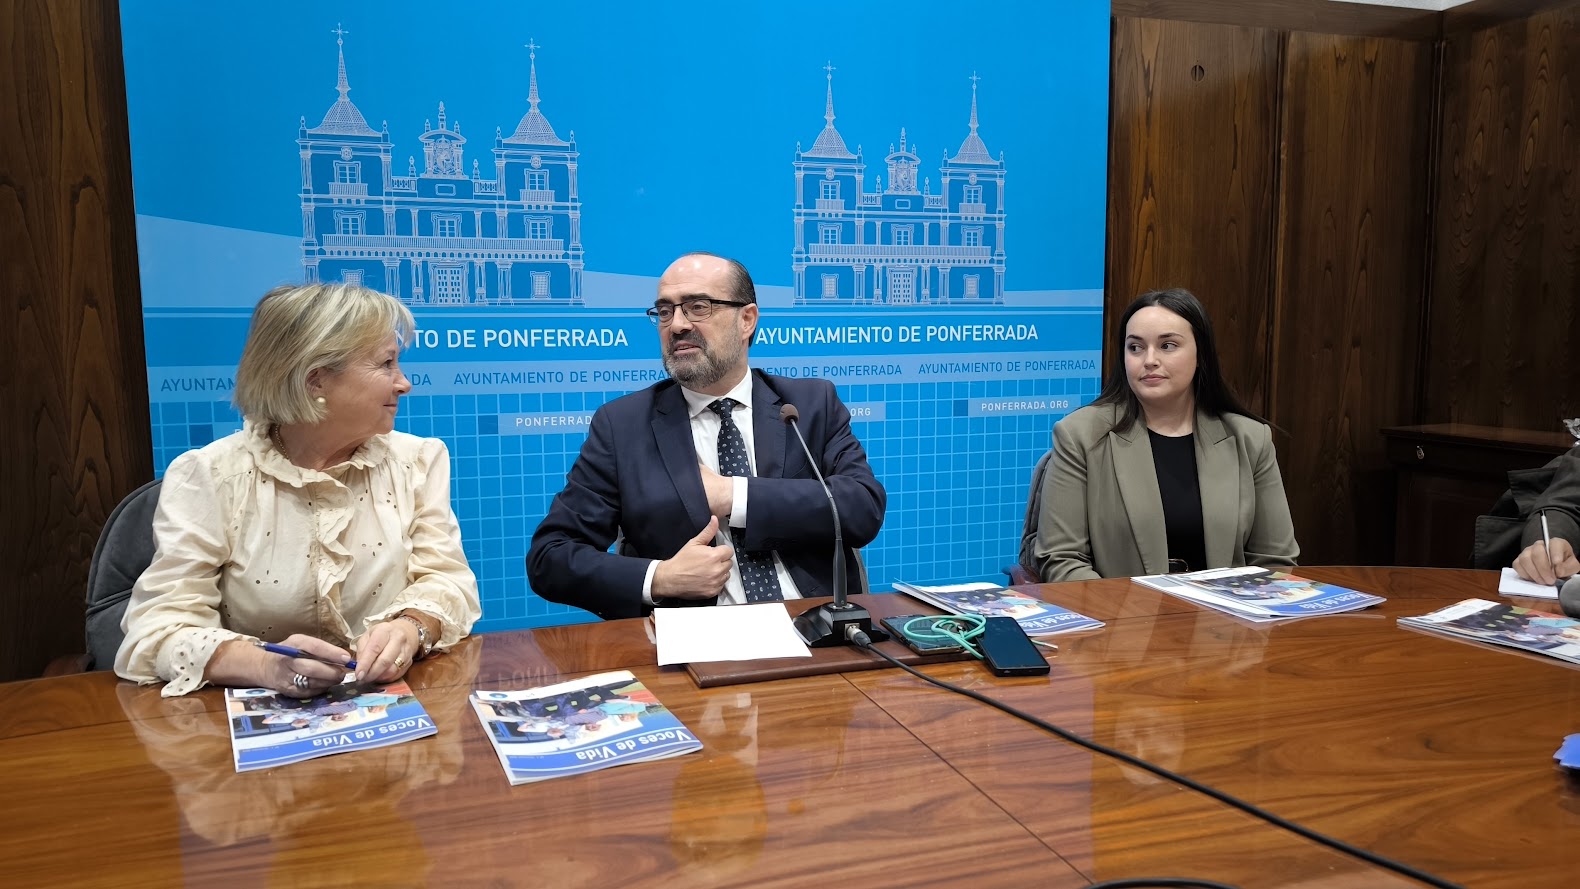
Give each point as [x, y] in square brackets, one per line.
[957, 484]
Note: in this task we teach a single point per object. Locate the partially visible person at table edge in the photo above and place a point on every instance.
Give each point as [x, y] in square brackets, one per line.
[316, 525]
[1548, 556]
[1165, 470]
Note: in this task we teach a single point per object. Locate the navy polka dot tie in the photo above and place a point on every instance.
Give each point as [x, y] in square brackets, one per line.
[757, 567]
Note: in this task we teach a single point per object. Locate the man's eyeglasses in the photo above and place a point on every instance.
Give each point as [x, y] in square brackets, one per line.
[696, 309]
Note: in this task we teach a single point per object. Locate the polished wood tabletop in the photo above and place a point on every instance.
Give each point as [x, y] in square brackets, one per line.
[1429, 750]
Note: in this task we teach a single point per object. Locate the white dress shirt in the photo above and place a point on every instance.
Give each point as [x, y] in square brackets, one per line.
[705, 425]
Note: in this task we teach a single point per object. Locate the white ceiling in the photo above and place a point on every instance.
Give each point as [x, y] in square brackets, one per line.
[1437, 5]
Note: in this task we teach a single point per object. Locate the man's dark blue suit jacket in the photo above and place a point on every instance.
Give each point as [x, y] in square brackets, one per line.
[637, 473]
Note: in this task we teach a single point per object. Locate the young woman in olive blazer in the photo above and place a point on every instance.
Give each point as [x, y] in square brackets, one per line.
[1102, 505]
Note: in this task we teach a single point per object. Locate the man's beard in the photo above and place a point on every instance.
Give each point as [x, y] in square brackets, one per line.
[707, 367]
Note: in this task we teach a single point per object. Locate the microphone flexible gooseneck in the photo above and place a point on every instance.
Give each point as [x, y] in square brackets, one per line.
[791, 416]
[840, 622]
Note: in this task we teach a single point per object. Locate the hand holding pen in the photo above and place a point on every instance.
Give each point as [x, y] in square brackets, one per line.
[303, 666]
[288, 651]
[1549, 560]
[1547, 546]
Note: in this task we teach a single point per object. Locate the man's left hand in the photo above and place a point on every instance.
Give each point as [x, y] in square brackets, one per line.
[721, 493]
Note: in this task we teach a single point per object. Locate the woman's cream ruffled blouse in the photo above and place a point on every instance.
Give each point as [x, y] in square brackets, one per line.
[251, 546]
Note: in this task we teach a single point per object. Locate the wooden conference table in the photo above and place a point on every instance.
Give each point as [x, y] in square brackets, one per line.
[1429, 750]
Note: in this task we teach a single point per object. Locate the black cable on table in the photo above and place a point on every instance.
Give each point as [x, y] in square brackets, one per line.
[863, 641]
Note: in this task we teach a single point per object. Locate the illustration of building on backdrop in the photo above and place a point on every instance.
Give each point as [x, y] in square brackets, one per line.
[444, 233]
[898, 244]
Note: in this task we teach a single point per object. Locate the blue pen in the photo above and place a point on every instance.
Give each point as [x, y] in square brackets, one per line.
[288, 651]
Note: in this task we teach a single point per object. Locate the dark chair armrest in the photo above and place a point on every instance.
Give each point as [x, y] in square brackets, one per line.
[67, 664]
[1019, 576]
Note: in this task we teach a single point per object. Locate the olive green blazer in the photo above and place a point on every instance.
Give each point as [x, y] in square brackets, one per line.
[1102, 513]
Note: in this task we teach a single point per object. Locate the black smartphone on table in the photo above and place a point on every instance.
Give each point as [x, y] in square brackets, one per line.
[1008, 651]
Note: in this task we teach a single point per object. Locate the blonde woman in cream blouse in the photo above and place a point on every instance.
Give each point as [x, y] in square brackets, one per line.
[316, 526]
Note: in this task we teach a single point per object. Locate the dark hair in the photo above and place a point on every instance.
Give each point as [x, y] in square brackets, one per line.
[741, 287]
[1213, 395]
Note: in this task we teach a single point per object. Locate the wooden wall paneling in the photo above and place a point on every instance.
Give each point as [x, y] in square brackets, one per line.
[1349, 280]
[1356, 19]
[1480, 14]
[74, 426]
[1192, 150]
[1505, 315]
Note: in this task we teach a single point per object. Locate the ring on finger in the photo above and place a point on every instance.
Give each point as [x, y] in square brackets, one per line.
[299, 681]
[400, 661]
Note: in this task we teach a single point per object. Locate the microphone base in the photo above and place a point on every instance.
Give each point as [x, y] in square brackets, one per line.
[827, 625]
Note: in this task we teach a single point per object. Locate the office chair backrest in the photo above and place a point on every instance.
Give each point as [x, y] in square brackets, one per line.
[858, 583]
[1027, 569]
[125, 547]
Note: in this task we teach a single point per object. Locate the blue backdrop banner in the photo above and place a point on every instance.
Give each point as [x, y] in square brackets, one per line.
[918, 192]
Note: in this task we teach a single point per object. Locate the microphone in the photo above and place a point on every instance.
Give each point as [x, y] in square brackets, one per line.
[1569, 596]
[789, 414]
[839, 621]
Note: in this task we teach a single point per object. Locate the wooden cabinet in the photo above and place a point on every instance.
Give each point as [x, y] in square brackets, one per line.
[1449, 473]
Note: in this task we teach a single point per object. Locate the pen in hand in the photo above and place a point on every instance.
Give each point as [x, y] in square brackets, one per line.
[1547, 546]
[288, 651]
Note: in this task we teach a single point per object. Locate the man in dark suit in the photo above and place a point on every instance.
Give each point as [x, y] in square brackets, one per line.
[709, 492]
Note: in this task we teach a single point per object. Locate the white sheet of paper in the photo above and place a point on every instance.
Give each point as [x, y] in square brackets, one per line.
[728, 633]
[1510, 584]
